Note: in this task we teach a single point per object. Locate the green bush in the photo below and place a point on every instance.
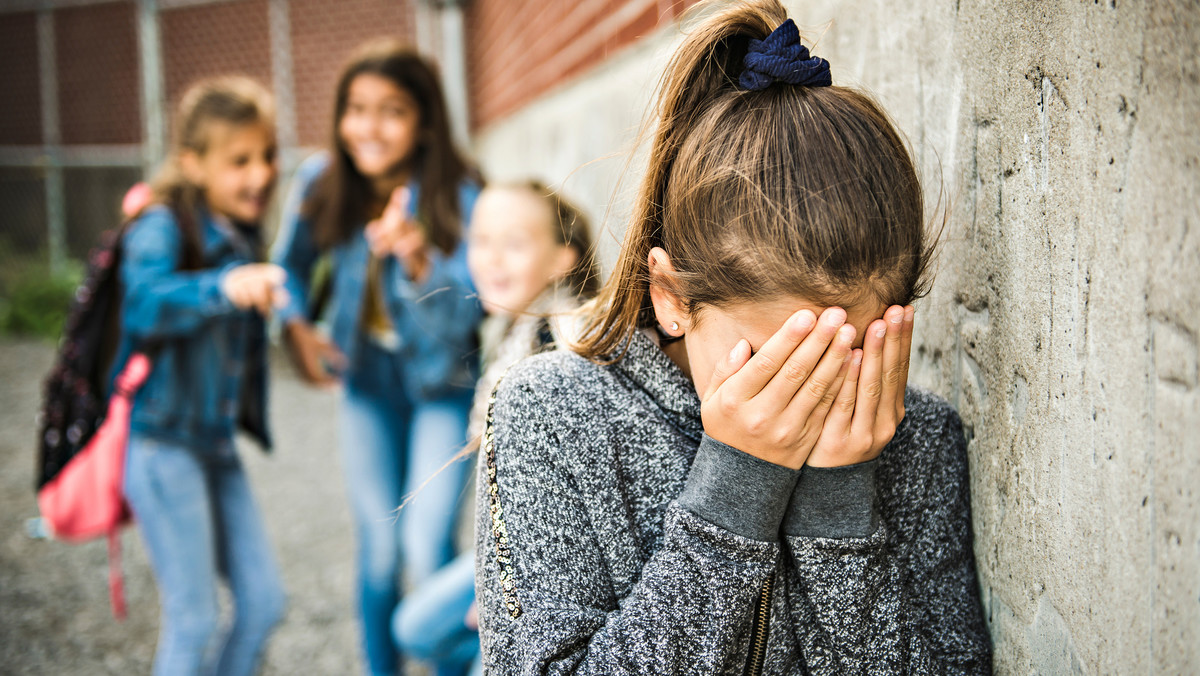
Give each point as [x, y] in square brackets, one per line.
[35, 300]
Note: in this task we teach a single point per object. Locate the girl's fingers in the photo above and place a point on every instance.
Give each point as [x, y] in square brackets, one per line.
[816, 389]
[279, 297]
[395, 214]
[837, 426]
[399, 199]
[728, 366]
[841, 415]
[409, 243]
[763, 366]
[836, 393]
[274, 274]
[870, 380]
[262, 297]
[238, 295]
[801, 365]
[893, 368]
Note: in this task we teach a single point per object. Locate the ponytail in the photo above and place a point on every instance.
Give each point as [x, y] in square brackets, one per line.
[705, 68]
[765, 182]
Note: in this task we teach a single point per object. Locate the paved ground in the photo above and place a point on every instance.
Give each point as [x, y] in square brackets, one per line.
[54, 612]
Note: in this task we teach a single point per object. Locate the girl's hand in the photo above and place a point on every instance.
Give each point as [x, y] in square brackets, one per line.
[257, 286]
[394, 233]
[870, 404]
[312, 354]
[773, 405]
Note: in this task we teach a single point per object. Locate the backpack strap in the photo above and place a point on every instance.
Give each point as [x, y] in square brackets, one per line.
[116, 579]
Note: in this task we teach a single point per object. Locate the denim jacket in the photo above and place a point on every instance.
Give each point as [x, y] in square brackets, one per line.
[435, 320]
[210, 370]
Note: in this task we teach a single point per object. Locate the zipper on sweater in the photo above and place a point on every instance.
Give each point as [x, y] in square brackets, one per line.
[758, 629]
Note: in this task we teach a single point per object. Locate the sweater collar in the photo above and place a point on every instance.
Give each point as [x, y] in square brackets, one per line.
[652, 371]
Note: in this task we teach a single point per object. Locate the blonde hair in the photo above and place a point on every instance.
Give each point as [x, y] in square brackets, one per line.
[569, 226]
[790, 190]
[232, 100]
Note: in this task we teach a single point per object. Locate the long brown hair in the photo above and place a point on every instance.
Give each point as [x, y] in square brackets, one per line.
[790, 190]
[340, 201]
[232, 100]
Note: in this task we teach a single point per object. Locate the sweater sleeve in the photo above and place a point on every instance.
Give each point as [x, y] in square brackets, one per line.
[546, 601]
[892, 595]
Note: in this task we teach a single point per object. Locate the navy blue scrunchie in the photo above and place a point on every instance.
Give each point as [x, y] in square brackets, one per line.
[782, 58]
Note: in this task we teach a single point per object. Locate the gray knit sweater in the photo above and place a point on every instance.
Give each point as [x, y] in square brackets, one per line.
[614, 537]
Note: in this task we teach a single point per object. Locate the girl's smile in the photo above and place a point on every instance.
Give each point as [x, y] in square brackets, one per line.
[237, 171]
[380, 127]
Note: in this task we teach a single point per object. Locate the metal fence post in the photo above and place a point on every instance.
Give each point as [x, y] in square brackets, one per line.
[282, 82]
[56, 210]
[150, 52]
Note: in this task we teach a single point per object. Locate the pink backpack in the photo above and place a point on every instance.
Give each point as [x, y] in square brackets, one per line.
[85, 500]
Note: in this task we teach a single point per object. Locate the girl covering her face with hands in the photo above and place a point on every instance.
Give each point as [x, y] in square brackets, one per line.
[729, 474]
[388, 206]
[195, 300]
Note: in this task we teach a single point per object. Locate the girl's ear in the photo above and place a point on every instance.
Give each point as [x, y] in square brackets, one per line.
[668, 307]
[189, 164]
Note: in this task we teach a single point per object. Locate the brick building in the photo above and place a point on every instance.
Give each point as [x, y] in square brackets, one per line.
[92, 82]
[91, 85]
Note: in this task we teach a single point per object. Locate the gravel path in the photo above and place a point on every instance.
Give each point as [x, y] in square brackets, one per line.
[54, 611]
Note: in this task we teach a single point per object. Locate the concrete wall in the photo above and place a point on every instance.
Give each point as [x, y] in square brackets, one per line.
[1063, 138]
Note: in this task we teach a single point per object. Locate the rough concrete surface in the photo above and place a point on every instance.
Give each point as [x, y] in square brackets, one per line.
[1061, 139]
[54, 609]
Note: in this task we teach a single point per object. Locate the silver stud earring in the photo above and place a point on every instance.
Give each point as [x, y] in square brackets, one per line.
[674, 326]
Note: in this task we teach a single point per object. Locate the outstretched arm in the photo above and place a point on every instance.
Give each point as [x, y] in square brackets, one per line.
[160, 300]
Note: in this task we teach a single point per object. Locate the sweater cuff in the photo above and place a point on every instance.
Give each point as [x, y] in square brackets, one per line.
[834, 502]
[737, 491]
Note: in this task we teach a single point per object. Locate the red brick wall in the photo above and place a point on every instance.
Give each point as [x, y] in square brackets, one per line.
[214, 39]
[21, 115]
[324, 34]
[98, 78]
[519, 49]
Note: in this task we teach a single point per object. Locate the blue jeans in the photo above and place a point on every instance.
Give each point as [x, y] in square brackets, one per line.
[199, 521]
[431, 623]
[393, 447]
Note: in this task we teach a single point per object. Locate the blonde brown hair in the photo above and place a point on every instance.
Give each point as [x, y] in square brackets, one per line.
[570, 227]
[787, 191]
[231, 100]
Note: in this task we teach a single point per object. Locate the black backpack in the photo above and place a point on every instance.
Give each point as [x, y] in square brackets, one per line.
[75, 395]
